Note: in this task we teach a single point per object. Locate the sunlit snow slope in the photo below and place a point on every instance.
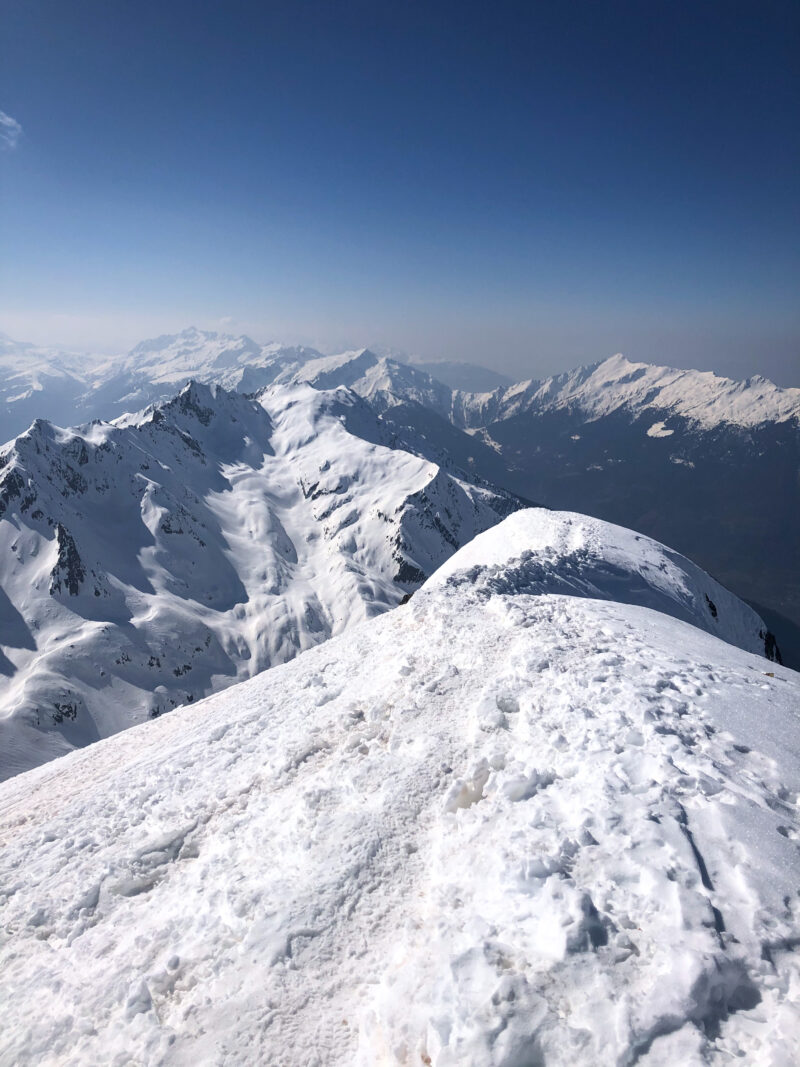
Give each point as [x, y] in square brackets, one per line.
[147, 563]
[538, 551]
[498, 826]
[703, 399]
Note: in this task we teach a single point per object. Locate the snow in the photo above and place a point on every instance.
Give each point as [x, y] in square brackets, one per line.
[75, 387]
[149, 562]
[489, 828]
[383, 381]
[214, 358]
[39, 382]
[540, 551]
[704, 399]
[658, 429]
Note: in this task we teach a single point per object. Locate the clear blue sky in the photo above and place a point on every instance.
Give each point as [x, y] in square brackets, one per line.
[527, 185]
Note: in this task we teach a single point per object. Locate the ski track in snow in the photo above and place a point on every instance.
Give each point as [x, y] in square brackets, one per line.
[505, 830]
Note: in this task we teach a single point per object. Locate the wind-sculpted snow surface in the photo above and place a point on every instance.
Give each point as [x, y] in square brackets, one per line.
[488, 829]
[147, 563]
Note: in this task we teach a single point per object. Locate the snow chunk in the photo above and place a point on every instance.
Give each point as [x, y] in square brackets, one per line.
[659, 429]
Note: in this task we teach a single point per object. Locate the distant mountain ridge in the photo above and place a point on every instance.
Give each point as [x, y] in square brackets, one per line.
[73, 388]
[703, 398]
[100, 387]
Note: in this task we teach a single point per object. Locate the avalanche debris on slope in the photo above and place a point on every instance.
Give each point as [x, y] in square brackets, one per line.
[487, 829]
[147, 563]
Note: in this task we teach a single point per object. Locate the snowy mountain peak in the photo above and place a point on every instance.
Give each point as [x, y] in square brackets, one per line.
[538, 552]
[202, 400]
[381, 380]
[190, 353]
[190, 335]
[703, 398]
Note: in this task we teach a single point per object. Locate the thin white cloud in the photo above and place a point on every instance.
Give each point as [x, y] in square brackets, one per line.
[10, 131]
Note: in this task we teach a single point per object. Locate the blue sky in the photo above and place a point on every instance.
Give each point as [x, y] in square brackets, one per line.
[527, 185]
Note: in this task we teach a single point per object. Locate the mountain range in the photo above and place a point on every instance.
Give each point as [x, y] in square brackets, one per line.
[700, 462]
[148, 562]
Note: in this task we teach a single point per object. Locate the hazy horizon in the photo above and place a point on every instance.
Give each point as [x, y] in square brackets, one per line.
[543, 361]
[527, 187]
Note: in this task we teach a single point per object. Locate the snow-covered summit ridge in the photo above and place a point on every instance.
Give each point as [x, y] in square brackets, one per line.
[563, 553]
[487, 829]
[208, 356]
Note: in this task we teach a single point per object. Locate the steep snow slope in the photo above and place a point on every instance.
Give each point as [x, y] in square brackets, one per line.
[489, 829]
[382, 381]
[415, 408]
[146, 563]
